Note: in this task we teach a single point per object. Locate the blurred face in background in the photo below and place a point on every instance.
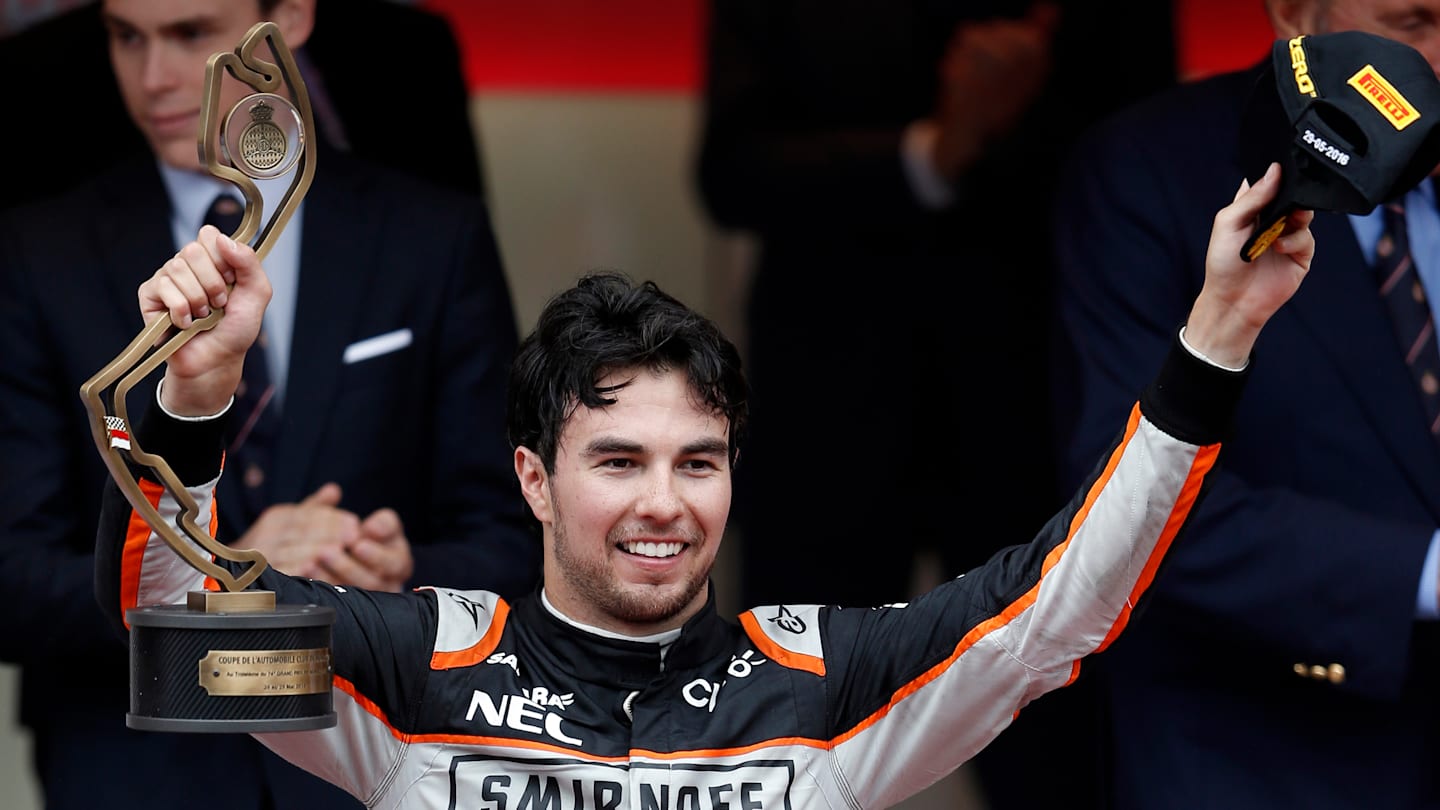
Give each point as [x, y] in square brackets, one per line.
[159, 48]
[1413, 22]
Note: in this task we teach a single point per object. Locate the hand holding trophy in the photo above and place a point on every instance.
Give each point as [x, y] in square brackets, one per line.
[228, 660]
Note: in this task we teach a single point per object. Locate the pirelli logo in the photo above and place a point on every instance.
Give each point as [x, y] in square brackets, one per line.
[1384, 97]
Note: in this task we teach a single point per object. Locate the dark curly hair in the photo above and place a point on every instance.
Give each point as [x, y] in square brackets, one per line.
[607, 323]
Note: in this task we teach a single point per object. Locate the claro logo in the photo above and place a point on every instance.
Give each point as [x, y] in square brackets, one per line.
[1303, 82]
[535, 712]
[702, 694]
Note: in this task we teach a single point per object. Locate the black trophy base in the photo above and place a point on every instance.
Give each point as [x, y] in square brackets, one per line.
[219, 672]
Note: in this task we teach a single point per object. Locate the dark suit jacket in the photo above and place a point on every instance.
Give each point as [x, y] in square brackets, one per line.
[1308, 548]
[420, 429]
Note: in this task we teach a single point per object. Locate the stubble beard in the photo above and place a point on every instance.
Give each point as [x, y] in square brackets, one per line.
[633, 603]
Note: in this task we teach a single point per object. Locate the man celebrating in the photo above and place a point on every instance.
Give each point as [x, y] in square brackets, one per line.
[617, 683]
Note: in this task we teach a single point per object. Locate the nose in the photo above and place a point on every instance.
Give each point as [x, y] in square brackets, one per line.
[661, 501]
[159, 68]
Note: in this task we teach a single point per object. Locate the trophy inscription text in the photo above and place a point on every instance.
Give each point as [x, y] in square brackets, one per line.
[266, 672]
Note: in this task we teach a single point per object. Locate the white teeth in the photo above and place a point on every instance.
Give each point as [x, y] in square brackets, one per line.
[654, 549]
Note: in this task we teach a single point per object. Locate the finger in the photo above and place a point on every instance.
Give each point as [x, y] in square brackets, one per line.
[327, 495]
[1239, 217]
[391, 562]
[1298, 241]
[219, 284]
[209, 238]
[1248, 202]
[322, 524]
[238, 257]
[311, 569]
[169, 291]
[384, 549]
[198, 276]
[382, 525]
[341, 568]
[1298, 221]
[189, 285]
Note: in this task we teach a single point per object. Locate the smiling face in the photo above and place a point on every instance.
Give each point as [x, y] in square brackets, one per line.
[159, 48]
[635, 509]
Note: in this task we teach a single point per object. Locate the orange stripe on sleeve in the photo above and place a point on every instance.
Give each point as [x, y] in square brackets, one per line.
[773, 651]
[481, 649]
[1204, 462]
[1083, 512]
[1190, 490]
[132, 554]
[211, 583]
[980, 631]
[1023, 603]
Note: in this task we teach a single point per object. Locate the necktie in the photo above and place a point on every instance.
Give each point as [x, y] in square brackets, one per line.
[224, 213]
[1404, 297]
[251, 432]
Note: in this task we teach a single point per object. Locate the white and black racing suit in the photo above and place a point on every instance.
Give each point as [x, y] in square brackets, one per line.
[461, 700]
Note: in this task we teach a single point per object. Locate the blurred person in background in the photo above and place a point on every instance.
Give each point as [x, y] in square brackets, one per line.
[382, 460]
[1287, 657]
[384, 77]
[912, 142]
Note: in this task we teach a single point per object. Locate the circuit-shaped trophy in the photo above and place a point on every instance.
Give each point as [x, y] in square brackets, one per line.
[229, 660]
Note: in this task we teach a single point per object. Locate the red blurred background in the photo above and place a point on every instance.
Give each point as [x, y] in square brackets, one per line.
[1218, 35]
[655, 45]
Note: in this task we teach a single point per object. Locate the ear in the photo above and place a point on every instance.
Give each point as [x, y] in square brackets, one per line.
[1291, 18]
[533, 484]
[296, 19]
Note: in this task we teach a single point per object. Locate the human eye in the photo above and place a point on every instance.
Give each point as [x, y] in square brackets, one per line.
[699, 466]
[121, 35]
[617, 463]
[1413, 27]
[195, 34]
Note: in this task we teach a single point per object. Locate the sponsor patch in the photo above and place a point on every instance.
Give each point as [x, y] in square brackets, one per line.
[562, 784]
[1383, 96]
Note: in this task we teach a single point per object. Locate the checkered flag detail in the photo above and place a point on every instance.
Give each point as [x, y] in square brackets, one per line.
[119, 433]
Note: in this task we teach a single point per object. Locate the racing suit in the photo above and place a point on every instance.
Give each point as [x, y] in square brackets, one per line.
[459, 699]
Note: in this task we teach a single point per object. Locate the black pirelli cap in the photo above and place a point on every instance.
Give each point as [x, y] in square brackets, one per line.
[1352, 118]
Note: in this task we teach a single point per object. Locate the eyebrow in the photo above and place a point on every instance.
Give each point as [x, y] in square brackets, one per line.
[707, 447]
[606, 445]
[169, 29]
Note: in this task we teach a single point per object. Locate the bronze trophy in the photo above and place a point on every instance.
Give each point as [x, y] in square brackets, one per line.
[230, 660]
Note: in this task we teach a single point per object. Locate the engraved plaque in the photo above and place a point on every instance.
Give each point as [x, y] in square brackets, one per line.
[266, 672]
